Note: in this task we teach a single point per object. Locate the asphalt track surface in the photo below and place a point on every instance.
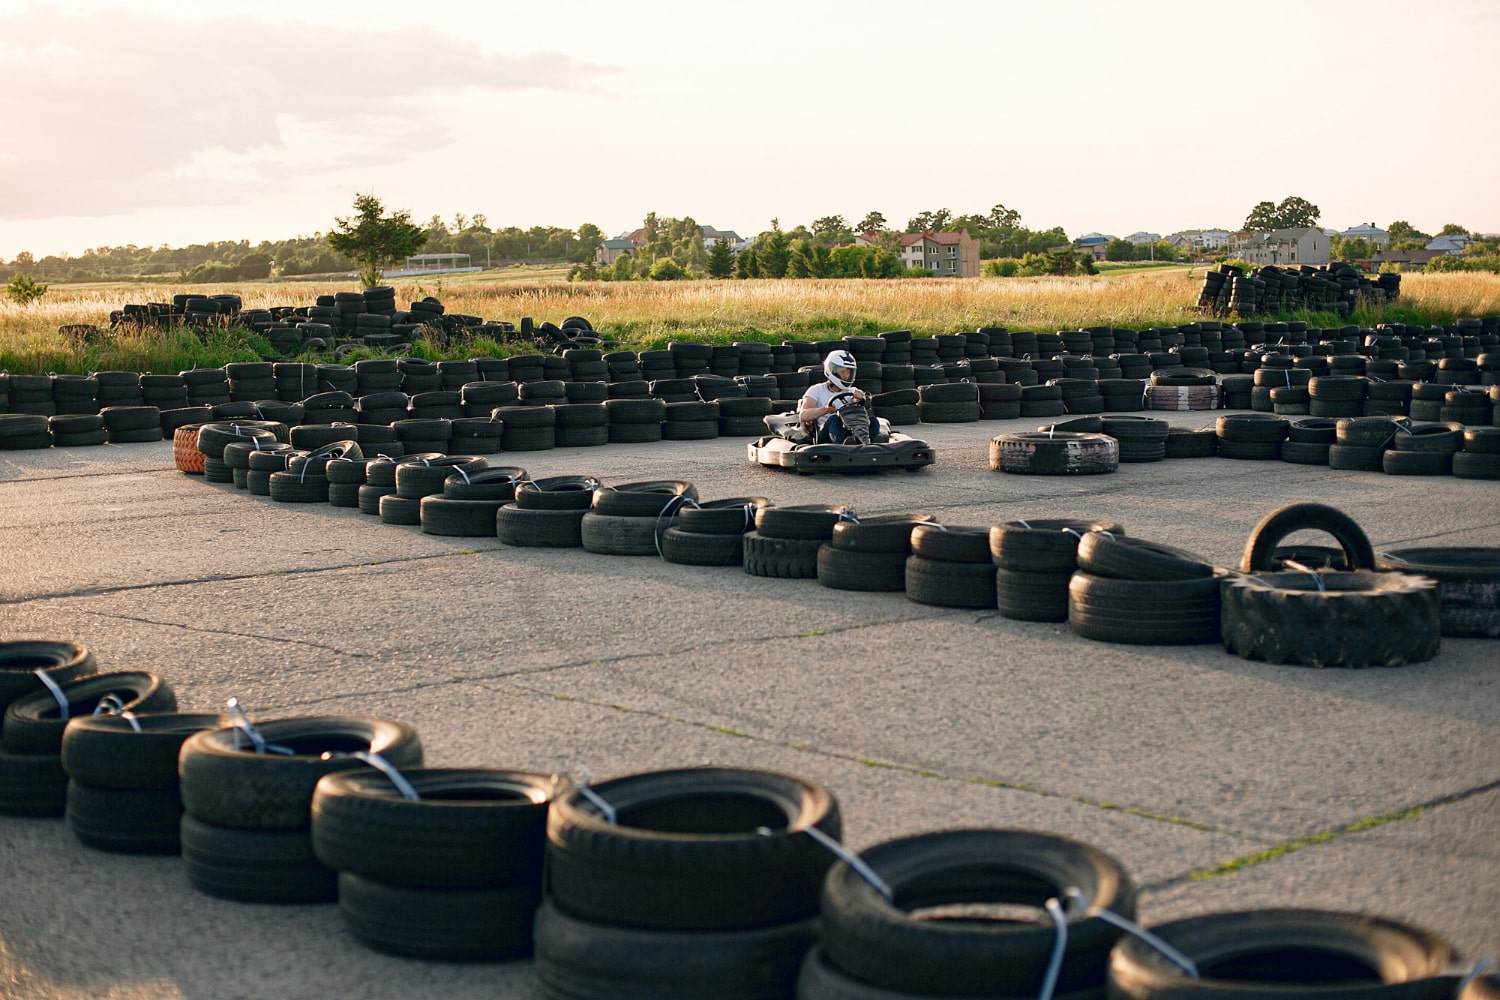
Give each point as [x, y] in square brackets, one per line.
[1219, 783]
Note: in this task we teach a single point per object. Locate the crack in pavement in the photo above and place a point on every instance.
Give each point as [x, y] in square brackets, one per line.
[292, 640]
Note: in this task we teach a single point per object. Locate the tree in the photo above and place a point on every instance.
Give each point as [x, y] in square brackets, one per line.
[1292, 213]
[831, 229]
[668, 270]
[873, 222]
[774, 252]
[23, 290]
[720, 260]
[623, 268]
[1119, 249]
[929, 220]
[800, 263]
[745, 264]
[1402, 231]
[1453, 229]
[589, 238]
[373, 240]
[1351, 248]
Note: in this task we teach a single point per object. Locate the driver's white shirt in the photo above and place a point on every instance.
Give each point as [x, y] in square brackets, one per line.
[822, 395]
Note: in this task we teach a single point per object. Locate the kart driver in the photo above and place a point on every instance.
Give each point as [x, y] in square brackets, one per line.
[818, 404]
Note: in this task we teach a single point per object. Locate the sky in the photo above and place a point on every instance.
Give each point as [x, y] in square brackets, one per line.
[170, 122]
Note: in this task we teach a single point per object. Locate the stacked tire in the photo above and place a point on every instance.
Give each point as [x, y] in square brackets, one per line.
[950, 566]
[247, 821]
[786, 540]
[469, 501]
[868, 554]
[1034, 564]
[1128, 590]
[625, 520]
[1054, 453]
[712, 533]
[453, 874]
[698, 882]
[35, 784]
[875, 948]
[547, 512]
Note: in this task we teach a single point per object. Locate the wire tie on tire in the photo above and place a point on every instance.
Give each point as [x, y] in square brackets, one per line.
[860, 866]
[240, 721]
[57, 692]
[1069, 531]
[1474, 973]
[110, 704]
[385, 767]
[582, 784]
[1059, 947]
[461, 472]
[1174, 956]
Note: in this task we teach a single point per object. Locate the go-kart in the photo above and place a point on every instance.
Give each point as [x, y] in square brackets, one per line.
[871, 446]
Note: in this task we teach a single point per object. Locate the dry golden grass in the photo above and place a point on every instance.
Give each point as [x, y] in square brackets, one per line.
[647, 314]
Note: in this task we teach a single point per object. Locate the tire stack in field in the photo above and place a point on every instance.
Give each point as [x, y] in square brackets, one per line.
[873, 947]
[421, 478]
[247, 797]
[712, 533]
[635, 420]
[547, 512]
[1034, 564]
[447, 868]
[786, 540]
[469, 501]
[868, 554]
[35, 784]
[699, 882]
[1133, 591]
[950, 566]
[1256, 436]
[1054, 453]
[625, 520]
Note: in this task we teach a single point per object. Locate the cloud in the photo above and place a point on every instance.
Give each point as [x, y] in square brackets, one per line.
[116, 111]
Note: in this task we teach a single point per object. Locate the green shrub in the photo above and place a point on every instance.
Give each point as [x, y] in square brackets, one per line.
[1005, 267]
[23, 290]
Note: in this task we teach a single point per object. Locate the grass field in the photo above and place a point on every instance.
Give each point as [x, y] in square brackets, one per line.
[644, 315]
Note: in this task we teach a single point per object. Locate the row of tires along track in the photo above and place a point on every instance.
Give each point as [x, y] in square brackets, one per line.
[683, 883]
[1107, 586]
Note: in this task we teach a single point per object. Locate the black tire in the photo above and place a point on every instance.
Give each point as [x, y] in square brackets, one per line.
[1144, 612]
[1255, 451]
[950, 584]
[578, 960]
[1312, 431]
[1476, 465]
[445, 516]
[684, 853]
[32, 784]
[634, 433]
[125, 820]
[1187, 442]
[949, 413]
[610, 535]
[528, 438]
[35, 723]
[1367, 432]
[1032, 596]
[1304, 453]
[233, 787]
[490, 483]
[636, 411]
[1359, 619]
[820, 979]
[1103, 554]
[295, 487]
[1468, 585]
[951, 543]
[1046, 545]
[415, 480]
[1060, 454]
[892, 946]
[557, 493]
[1353, 458]
[846, 569]
[108, 752]
[888, 534]
[1277, 525]
[1266, 954]
[405, 511]
[20, 660]
[780, 558]
[1416, 463]
[555, 529]
[691, 548]
[471, 828]
[802, 521]
[732, 516]
[647, 498]
[440, 925]
[370, 497]
[254, 866]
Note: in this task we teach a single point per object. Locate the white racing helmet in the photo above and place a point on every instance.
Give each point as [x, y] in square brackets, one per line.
[835, 361]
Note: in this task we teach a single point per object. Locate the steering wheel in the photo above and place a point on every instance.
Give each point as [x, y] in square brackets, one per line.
[845, 396]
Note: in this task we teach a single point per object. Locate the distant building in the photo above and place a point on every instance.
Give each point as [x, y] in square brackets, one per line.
[1452, 244]
[1093, 244]
[1407, 260]
[634, 240]
[947, 255]
[611, 250]
[1370, 233]
[1301, 245]
[1142, 238]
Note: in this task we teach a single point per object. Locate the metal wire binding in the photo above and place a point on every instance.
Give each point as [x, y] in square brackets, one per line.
[582, 784]
[1473, 974]
[1176, 957]
[848, 514]
[460, 470]
[384, 766]
[1069, 531]
[110, 704]
[1059, 948]
[680, 500]
[57, 692]
[241, 722]
[854, 861]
